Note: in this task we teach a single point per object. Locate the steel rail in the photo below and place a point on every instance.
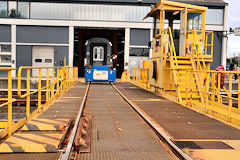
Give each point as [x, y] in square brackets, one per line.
[177, 151]
[66, 154]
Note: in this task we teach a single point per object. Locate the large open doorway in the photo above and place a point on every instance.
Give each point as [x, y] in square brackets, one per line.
[115, 36]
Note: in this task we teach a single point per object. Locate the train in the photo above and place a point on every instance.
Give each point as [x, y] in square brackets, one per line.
[98, 61]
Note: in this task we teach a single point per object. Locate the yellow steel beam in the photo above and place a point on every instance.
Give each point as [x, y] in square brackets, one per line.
[181, 5]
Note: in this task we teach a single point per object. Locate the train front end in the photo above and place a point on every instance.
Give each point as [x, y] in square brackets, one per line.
[100, 74]
[98, 61]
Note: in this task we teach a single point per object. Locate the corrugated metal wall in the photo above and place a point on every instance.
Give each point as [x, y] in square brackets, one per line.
[42, 34]
[5, 33]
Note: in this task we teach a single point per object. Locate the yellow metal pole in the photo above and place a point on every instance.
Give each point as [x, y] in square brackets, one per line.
[219, 87]
[53, 82]
[238, 92]
[186, 89]
[58, 76]
[9, 103]
[39, 89]
[207, 90]
[28, 94]
[62, 78]
[213, 87]
[191, 75]
[47, 84]
[230, 98]
[65, 61]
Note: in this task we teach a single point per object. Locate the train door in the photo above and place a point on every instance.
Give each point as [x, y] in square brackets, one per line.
[42, 56]
[98, 55]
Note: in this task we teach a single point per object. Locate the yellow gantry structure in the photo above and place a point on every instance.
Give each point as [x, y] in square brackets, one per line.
[175, 52]
[180, 64]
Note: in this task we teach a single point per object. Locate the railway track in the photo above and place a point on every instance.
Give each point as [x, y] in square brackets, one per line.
[69, 152]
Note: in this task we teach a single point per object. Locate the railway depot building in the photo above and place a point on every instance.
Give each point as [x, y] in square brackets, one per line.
[42, 33]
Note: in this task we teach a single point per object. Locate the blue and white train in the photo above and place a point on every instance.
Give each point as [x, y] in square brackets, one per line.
[98, 62]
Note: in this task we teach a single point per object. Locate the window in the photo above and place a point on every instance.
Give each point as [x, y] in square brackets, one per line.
[5, 54]
[5, 48]
[194, 21]
[12, 9]
[140, 52]
[156, 27]
[214, 16]
[40, 10]
[98, 53]
[3, 8]
[101, 53]
[5, 59]
[95, 54]
[23, 9]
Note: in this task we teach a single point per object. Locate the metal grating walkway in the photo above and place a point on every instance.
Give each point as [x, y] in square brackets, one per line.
[118, 131]
[45, 131]
[180, 122]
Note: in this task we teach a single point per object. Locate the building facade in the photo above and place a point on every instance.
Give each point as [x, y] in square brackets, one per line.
[41, 32]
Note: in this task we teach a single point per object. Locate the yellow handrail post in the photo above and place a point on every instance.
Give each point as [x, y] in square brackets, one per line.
[230, 98]
[62, 78]
[9, 102]
[58, 76]
[39, 89]
[191, 78]
[219, 87]
[186, 91]
[53, 83]
[207, 90]
[47, 84]
[238, 92]
[28, 94]
[213, 86]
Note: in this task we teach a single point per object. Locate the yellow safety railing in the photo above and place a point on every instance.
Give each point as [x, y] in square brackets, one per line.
[9, 100]
[222, 101]
[200, 43]
[141, 75]
[58, 79]
[167, 44]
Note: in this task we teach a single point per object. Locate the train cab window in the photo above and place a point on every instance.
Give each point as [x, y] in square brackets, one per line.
[98, 53]
[101, 53]
[95, 55]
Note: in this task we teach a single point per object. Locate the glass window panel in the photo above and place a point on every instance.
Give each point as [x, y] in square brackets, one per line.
[89, 12]
[12, 8]
[3, 8]
[101, 57]
[23, 9]
[156, 27]
[5, 48]
[95, 54]
[193, 21]
[143, 52]
[214, 16]
[6, 59]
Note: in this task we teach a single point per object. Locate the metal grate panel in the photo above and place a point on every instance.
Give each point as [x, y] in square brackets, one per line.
[202, 145]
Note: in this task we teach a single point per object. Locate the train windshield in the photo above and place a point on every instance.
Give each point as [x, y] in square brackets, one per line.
[98, 53]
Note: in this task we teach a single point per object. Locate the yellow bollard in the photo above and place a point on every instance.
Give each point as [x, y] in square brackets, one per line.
[125, 77]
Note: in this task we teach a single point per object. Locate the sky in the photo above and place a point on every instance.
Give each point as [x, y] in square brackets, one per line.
[234, 22]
